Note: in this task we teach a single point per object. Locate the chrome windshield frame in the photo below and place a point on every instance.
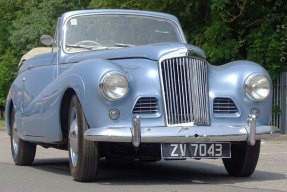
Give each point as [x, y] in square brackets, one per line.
[178, 26]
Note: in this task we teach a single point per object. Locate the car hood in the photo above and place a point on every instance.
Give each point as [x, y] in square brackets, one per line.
[152, 52]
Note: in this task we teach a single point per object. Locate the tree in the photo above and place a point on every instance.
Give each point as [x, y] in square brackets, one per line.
[227, 30]
[21, 25]
[8, 62]
[256, 30]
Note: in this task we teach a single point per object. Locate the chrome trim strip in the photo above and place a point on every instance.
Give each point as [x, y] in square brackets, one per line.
[33, 67]
[181, 134]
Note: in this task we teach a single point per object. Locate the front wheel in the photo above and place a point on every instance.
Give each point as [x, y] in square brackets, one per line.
[23, 152]
[243, 159]
[83, 154]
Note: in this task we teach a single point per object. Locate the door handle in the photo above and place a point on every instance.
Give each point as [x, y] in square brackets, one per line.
[64, 67]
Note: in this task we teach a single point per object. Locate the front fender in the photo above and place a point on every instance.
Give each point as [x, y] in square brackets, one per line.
[14, 100]
[83, 78]
[143, 78]
[228, 81]
[9, 102]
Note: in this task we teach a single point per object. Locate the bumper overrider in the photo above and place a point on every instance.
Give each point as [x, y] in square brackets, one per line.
[183, 134]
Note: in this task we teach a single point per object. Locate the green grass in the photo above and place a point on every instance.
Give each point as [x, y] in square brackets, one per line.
[2, 123]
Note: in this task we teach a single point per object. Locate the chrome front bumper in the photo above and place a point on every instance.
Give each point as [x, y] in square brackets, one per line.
[183, 134]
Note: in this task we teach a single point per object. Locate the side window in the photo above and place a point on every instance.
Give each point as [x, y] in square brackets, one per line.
[56, 45]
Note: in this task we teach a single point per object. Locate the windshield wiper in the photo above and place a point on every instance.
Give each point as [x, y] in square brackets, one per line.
[99, 48]
[79, 46]
[123, 45]
[92, 48]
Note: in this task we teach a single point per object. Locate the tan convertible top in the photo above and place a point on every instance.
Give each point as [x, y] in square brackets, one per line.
[34, 52]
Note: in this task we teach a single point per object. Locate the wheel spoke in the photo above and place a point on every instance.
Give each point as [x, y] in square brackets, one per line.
[73, 137]
[15, 138]
[23, 152]
[83, 154]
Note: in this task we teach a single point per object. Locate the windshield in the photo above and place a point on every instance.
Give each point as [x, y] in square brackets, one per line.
[100, 32]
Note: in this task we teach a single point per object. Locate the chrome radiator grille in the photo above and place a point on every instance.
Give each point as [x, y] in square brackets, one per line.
[185, 88]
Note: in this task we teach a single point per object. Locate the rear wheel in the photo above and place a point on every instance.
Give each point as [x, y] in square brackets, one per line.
[243, 159]
[83, 154]
[23, 152]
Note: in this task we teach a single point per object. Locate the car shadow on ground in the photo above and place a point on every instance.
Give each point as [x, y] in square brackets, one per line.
[55, 165]
[162, 172]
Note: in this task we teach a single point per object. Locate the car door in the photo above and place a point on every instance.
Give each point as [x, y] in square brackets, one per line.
[42, 70]
[39, 74]
[50, 96]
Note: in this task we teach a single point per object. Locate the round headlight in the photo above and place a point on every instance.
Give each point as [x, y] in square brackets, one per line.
[257, 87]
[114, 86]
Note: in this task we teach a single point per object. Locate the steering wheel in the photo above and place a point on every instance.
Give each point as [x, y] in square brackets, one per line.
[89, 43]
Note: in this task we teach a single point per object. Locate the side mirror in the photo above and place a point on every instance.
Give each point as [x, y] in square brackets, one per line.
[46, 40]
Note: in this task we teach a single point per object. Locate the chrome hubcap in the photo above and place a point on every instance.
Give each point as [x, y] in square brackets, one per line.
[15, 138]
[73, 137]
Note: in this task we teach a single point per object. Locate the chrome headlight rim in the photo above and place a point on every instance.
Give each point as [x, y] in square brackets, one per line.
[103, 89]
[248, 87]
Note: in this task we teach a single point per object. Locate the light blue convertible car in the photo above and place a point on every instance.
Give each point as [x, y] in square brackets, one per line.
[124, 84]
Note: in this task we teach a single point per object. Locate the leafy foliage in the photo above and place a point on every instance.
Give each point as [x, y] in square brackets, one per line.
[8, 72]
[22, 23]
[37, 17]
[226, 29]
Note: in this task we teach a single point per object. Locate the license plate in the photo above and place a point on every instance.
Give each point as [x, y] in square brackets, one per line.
[195, 150]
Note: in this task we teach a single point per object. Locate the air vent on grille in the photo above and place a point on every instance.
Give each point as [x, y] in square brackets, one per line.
[185, 87]
[146, 105]
[224, 105]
